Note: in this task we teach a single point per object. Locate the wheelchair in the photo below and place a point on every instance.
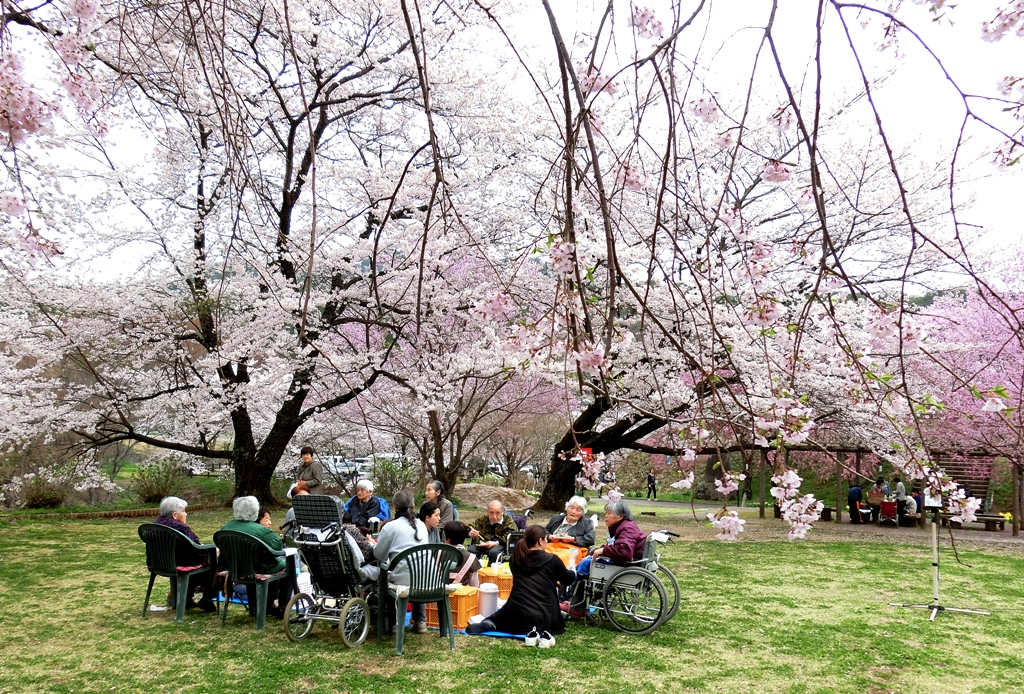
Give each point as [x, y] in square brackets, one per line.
[341, 597]
[634, 598]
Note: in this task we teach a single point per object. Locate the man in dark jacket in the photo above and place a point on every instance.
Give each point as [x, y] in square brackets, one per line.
[364, 506]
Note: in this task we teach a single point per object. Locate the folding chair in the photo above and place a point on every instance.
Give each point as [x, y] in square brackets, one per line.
[888, 513]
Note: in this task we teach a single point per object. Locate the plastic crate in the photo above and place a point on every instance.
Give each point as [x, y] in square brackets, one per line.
[464, 605]
[501, 577]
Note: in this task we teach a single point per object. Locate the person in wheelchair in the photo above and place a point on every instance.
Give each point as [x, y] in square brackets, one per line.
[533, 602]
[626, 545]
[571, 527]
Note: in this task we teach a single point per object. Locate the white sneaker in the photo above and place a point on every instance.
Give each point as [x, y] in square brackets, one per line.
[532, 638]
[546, 640]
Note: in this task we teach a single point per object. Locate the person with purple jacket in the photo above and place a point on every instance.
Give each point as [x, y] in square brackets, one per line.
[626, 544]
[173, 515]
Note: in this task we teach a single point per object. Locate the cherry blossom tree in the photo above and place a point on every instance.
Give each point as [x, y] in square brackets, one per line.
[328, 189]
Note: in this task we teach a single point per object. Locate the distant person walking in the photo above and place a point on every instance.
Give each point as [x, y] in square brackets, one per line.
[652, 484]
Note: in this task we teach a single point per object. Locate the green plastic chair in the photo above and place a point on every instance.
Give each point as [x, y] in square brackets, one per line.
[164, 546]
[428, 566]
[238, 554]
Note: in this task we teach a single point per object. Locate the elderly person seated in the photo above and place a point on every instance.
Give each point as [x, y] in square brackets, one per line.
[571, 527]
[491, 531]
[173, 514]
[435, 493]
[626, 544]
[246, 511]
[364, 506]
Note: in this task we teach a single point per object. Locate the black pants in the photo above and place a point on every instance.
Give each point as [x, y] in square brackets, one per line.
[652, 489]
[492, 554]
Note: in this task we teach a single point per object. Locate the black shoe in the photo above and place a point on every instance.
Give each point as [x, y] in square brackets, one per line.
[206, 605]
[275, 612]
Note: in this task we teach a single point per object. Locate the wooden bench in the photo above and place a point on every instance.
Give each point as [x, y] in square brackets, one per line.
[993, 522]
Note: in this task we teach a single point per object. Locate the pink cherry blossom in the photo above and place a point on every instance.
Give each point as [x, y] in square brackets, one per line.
[993, 404]
[496, 306]
[23, 111]
[592, 82]
[11, 203]
[84, 9]
[591, 359]
[706, 110]
[684, 483]
[775, 171]
[632, 178]
[728, 524]
[963, 508]
[782, 119]
[647, 26]
[729, 483]
[563, 257]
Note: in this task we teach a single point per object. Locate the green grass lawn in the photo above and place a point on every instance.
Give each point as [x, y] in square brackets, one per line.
[756, 616]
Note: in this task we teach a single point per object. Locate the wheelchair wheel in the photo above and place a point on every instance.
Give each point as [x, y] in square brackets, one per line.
[671, 585]
[635, 601]
[298, 619]
[354, 622]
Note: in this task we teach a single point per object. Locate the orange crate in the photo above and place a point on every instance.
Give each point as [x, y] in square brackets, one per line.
[464, 605]
[500, 577]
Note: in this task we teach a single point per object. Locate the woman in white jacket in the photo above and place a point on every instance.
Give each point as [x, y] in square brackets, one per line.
[401, 533]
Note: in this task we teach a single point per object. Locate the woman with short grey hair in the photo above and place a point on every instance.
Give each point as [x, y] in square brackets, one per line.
[572, 527]
[627, 544]
[246, 510]
[173, 515]
[619, 509]
[172, 505]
